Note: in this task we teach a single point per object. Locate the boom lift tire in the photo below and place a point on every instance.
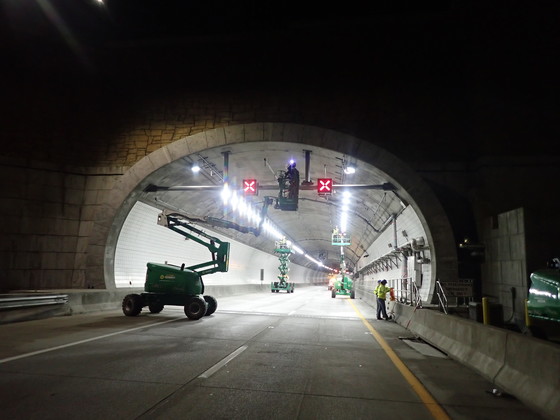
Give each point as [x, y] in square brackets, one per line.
[195, 308]
[155, 308]
[333, 293]
[352, 294]
[212, 304]
[132, 305]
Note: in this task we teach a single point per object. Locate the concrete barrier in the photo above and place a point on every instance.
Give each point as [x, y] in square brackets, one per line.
[523, 366]
[82, 301]
[532, 371]
[8, 316]
[92, 300]
[484, 348]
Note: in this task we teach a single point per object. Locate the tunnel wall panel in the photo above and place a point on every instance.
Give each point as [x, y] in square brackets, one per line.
[142, 240]
[407, 221]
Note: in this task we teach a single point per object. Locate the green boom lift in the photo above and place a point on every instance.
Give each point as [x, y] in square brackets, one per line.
[543, 304]
[343, 285]
[168, 284]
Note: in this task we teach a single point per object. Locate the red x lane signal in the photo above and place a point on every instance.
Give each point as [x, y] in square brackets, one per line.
[324, 186]
[250, 187]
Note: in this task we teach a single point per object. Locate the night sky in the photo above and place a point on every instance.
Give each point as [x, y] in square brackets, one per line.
[498, 41]
[496, 57]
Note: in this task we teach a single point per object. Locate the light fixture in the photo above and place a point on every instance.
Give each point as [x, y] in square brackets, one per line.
[349, 169]
[195, 167]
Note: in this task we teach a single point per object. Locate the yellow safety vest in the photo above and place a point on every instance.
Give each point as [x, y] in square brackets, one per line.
[382, 291]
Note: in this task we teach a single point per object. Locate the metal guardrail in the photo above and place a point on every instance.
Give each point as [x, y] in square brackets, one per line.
[406, 291]
[25, 301]
[442, 298]
[416, 295]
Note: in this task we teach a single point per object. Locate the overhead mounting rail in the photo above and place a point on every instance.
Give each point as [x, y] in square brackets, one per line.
[387, 186]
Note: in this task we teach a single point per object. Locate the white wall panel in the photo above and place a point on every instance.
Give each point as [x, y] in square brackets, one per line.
[142, 240]
[409, 222]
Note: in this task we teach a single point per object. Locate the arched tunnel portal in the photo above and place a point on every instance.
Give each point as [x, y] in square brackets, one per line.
[256, 151]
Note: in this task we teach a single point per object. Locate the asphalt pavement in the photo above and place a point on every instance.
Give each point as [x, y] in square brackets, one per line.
[301, 355]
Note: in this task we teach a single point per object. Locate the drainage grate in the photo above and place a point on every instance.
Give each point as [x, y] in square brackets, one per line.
[422, 347]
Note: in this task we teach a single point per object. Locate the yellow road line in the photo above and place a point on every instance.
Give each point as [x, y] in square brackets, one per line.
[429, 401]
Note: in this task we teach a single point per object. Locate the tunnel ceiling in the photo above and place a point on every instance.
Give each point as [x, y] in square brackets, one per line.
[310, 227]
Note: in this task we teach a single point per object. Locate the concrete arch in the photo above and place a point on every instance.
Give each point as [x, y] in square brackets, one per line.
[111, 216]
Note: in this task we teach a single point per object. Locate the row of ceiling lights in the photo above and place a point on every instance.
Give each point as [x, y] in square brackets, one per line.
[238, 204]
[246, 210]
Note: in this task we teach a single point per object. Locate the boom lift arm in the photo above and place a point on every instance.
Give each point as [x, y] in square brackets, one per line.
[218, 248]
[167, 284]
[216, 222]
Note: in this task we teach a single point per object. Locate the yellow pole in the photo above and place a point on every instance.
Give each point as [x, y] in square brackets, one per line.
[485, 314]
[527, 317]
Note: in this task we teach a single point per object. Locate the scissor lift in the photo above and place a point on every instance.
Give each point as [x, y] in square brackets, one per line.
[283, 251]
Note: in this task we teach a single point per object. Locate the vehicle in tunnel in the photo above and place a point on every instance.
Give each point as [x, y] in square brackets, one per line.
[168, 284]
[344, 286]
[543, 304]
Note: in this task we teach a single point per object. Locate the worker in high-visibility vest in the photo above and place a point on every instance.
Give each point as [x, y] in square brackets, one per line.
[381, 292]
[376, 287]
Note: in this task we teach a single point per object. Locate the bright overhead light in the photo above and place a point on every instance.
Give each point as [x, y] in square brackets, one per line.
[226, 194]
[195, 168]
[349, 170]
[234, 201]
[298, 249]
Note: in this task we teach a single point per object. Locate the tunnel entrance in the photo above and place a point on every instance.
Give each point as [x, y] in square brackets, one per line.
[384, 225]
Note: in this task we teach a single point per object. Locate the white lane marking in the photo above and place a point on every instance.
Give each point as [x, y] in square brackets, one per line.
[34, 353]
[223, 362]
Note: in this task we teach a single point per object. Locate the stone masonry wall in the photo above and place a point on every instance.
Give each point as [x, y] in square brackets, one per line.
[58, 168]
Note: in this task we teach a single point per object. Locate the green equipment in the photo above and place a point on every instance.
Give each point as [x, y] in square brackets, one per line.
[283, 251]
[168, 284]
[343, 285]
[543, 304]
[288, 182]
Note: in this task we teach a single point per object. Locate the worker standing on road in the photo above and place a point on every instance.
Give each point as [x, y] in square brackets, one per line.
[381, 292]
